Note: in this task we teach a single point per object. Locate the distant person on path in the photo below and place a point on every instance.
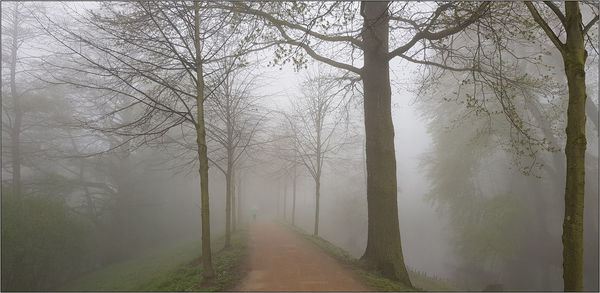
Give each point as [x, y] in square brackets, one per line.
[254, 212]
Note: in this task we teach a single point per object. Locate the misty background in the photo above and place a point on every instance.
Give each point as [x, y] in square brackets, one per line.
[94, 198]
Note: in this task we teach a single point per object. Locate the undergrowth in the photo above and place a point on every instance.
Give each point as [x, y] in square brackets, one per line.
[174, 269]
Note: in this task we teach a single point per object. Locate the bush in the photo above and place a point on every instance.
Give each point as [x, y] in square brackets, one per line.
[43, 244]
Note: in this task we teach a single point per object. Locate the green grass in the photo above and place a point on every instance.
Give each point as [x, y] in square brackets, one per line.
[172, 269]
[371, 277]
[430, 283]
[226, 263]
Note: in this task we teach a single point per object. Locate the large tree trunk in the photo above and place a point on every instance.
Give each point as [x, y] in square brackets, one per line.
[384, 248]
[317, 204]
[574, 60]
[208, 272]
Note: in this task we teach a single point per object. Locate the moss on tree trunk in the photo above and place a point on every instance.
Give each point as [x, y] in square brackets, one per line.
[574, 58]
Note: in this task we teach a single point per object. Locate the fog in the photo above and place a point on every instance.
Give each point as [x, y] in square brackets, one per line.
[103, 157]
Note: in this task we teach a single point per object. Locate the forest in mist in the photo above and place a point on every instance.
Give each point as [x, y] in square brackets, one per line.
[453, 140]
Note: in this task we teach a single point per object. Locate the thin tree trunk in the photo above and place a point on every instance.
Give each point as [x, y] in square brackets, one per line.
[228, 175]
[317, 204]
[364, 161]
[208, 272]
[285, 199]
[239, 201]
[228, 202]
[574, 60]
[384, 248]
[233, 202]
[18, 112]
[294, 198]
[91, 207]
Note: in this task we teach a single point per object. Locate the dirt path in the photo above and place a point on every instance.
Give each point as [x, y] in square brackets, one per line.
[283, 261]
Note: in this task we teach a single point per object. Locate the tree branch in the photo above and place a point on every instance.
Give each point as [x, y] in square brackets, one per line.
[549, 32]
[279, 25]
[558, 13]
[427, 35]
[440, 65]
[590, 24]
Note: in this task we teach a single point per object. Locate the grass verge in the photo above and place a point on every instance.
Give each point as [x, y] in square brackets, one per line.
[227, 263]
[177, 268]
[370, 276]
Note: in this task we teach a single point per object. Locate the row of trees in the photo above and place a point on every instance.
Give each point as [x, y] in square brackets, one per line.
[156, 64]
[312, 131]
[109, 102]
[319, 28]
[507, 86]
[166, 60]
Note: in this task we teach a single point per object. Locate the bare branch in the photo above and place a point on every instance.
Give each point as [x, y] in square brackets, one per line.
[590, 24]
[549, 32]
[427, 35]
[557, 12]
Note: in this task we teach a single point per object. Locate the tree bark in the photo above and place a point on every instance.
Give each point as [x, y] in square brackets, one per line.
[574, 58]
[384, 248]
[208, 272]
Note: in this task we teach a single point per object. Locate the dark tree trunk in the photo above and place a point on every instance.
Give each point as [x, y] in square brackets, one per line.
[574, 58]
[208, 272]
[384, 248]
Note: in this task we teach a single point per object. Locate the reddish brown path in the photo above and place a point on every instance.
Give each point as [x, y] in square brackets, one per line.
[281, 260]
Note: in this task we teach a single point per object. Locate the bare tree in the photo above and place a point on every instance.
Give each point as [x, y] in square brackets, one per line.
[18, 33]
[154, 56]
[315, 124]
[574, 57]
[332, 33]
[496, 63]
[234, 117]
